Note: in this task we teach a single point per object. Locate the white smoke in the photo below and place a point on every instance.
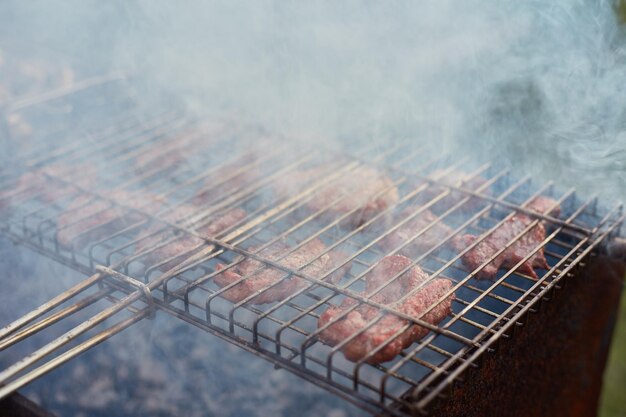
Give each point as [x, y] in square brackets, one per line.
[538, 84]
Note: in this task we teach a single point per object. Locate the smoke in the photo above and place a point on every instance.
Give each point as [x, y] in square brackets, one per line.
[335, 69]
[539, 85]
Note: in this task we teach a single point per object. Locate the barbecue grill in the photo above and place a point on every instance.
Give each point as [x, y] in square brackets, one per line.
[500, 330]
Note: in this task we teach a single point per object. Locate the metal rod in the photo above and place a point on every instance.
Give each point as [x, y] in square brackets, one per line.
[268, 219]
[481, 296]
[46, 307]
[16, 384]
[539, 295]
[50, 320]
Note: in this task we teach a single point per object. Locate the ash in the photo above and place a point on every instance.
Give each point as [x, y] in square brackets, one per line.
[159, 367]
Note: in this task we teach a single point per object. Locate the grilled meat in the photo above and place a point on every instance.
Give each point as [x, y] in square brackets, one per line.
[167, 153]
[156, 159]
[218, 184]
[41, 184]
[360, 194]
[227, 179]
[161, 242]
[382, 332]
[427, 240]
[28, 186]
[259, 278]
[154, 234]
[172, 152]
[500, 237]
[90, 218]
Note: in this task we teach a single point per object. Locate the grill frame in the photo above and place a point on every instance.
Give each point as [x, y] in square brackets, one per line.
[141, 296]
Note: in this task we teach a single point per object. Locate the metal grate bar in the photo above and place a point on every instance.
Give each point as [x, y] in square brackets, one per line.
[286, 331]
[524, 308]
[480, 297]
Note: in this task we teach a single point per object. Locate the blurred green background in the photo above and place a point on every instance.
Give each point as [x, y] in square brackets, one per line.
[621, 10]
[613, 401]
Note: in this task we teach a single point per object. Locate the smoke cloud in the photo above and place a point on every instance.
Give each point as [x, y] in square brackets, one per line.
[538, 85]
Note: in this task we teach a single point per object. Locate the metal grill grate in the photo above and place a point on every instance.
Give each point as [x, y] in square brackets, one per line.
[234, 166]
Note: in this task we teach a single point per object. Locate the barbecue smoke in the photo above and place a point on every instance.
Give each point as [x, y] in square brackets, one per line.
[536, 85]
[539, 85]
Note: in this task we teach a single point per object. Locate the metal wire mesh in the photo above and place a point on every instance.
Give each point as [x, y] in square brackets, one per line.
[177, 164]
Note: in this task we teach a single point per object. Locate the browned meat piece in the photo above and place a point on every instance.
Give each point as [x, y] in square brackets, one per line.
[364, 192]
[157, 159]
[457, 179]
[258, 281]
[230, 177]
[500, 237]
[427, 240]
[25, 187]
[89, 218]
[41, 184]
[173, 151]
[184, 246]
[166, 153]
[158, 232]
[382, 332]
[217, 184]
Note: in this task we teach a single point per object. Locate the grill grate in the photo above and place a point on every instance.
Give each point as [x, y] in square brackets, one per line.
[221, 162]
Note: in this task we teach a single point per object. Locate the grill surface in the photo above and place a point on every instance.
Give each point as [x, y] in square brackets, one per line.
[283, 332]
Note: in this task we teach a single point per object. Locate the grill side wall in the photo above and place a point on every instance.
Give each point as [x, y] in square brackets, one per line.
[553, 364]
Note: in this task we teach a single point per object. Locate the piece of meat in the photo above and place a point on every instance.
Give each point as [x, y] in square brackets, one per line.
[90, 218]
[500, 237]
[155, 234]
[427, 240]
[156, 160]
[457, 179]
[172, 152]
[183, 247]
[382, 332]
[363, 192]
[166, 153]
[260, 281]
[226, 179]
[42, 185]
[25, 187]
